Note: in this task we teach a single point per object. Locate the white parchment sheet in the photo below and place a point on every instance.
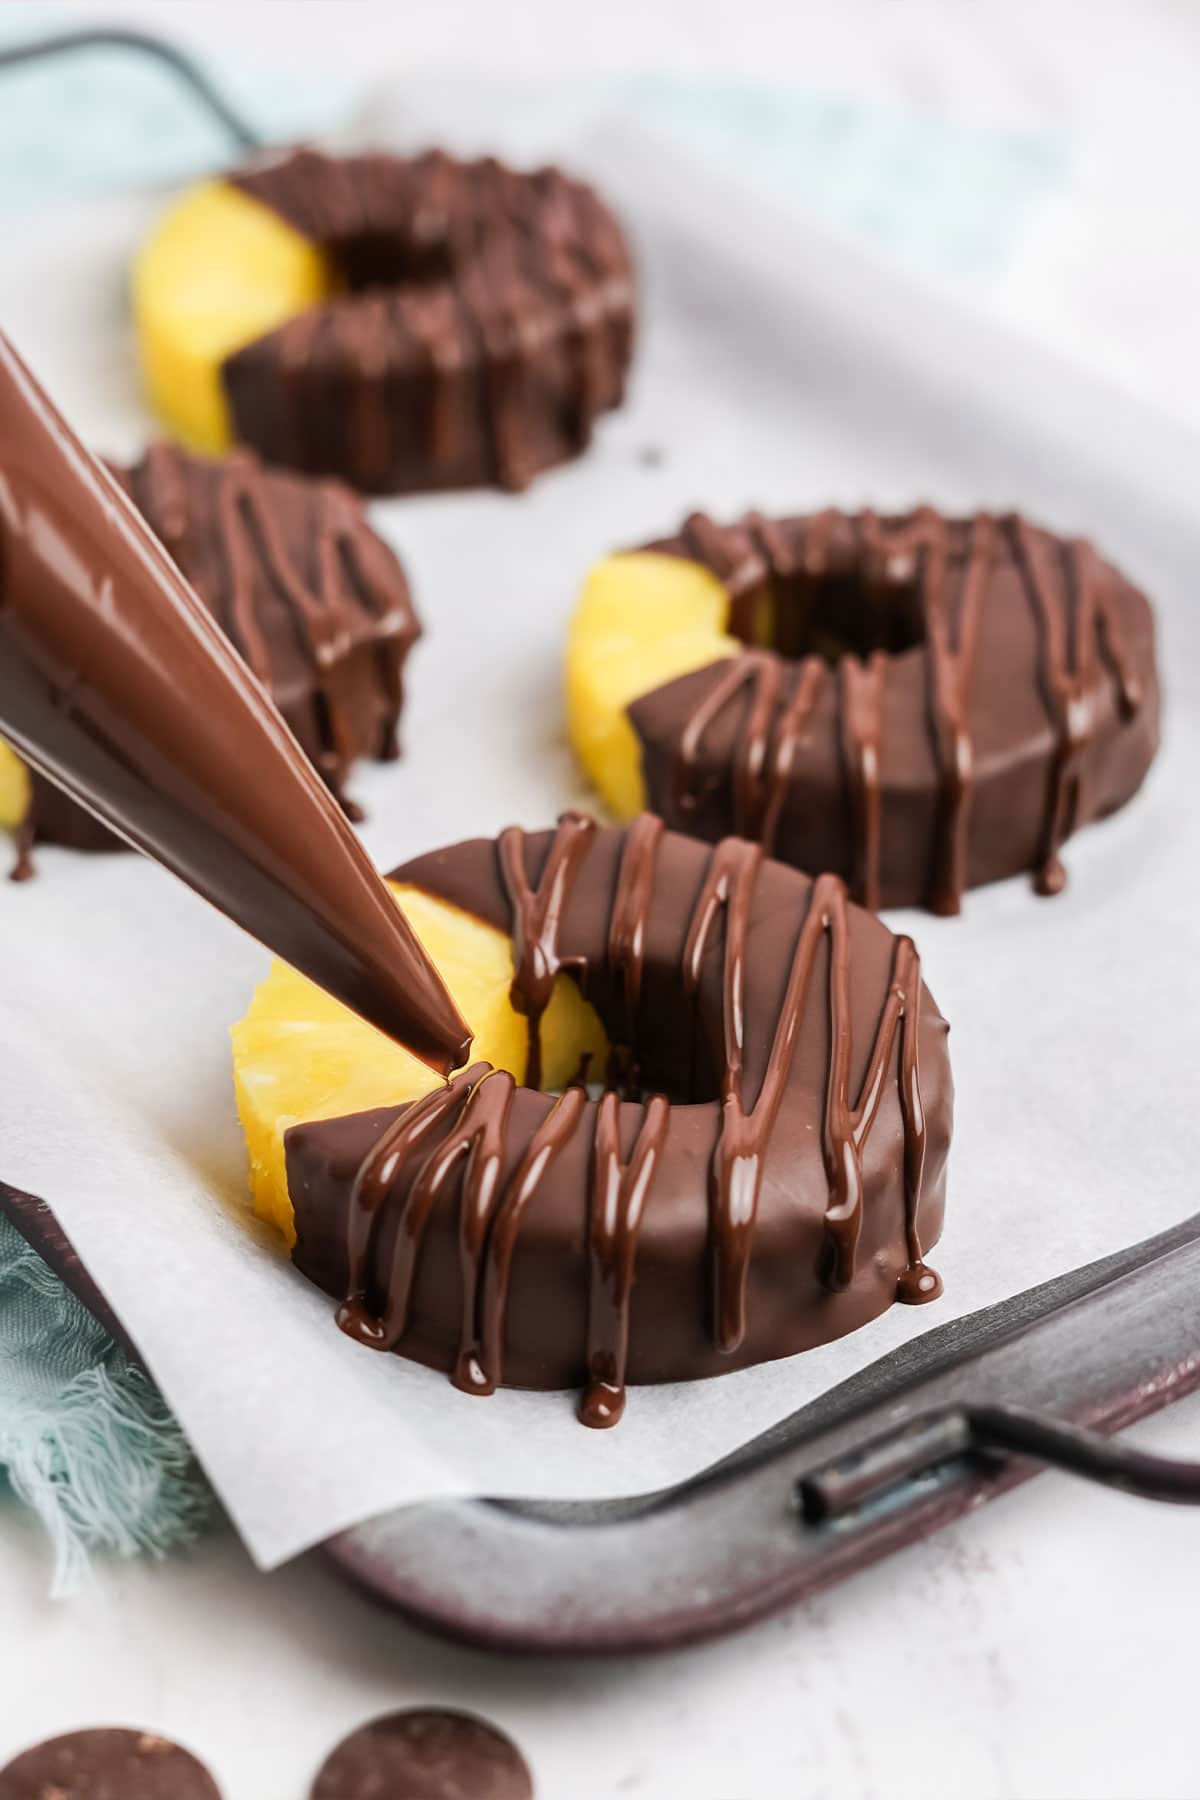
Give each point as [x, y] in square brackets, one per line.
[777, 368]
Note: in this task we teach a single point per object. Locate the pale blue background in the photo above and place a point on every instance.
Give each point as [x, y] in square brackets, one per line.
[948, 197]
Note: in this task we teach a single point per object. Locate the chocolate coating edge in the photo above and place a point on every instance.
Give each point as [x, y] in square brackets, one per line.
[1021, 685]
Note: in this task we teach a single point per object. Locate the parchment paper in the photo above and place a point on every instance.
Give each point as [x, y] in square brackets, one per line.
[781, 368]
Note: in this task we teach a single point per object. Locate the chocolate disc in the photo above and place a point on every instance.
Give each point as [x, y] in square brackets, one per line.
[107, 1765]
[425, 1754]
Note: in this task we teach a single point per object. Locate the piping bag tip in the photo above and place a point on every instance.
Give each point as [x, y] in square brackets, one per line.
[117, 684]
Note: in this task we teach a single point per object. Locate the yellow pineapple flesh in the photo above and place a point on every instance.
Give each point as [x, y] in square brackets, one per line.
[642, 620]
[299, 1055]
[219, 270]
[14, 789]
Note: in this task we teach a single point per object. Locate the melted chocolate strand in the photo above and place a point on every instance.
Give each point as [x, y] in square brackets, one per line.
[847, 1127]
[759, 671]
[475, 1148]
[951, 664]
[319, 618]
[789, 732]
[406, 1135]
[473, 1113]
[537, 918]
[734, 556]
[862, 740]
[1074, 621]
[236, 522]
[735, 1171]
[919, 1283]
[543, 1149]
[767, 742]
[461, 1133]
[626, 948]
[1067, 645]
[618, 1199]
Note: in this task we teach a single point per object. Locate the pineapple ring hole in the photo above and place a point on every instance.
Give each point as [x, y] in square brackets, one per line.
[851, 612]
[379, 260]
[680, 1042]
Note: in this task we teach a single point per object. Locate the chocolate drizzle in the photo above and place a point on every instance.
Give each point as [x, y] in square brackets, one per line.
[315, 603]
[626, 947]
[464, 1134]
[619, 1190]
[951, 664]
[864, 594]
[537, 918]
[1071, 625]
[488, 322]
[767, 744]
[473, 1114]
[862, 737]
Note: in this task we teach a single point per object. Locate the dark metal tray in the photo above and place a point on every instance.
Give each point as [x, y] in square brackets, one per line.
[954, 1419]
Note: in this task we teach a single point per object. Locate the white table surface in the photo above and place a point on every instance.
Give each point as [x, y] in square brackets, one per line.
[1040, 1649]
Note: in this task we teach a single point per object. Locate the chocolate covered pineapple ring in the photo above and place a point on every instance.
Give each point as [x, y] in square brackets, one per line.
[406, 323]
[314, 600]
[922, 704]
[763, 1173]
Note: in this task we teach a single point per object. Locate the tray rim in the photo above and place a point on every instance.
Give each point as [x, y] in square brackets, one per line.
[937, 1355]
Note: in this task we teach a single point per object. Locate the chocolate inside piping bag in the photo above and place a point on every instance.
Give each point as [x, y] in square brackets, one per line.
[117, 684]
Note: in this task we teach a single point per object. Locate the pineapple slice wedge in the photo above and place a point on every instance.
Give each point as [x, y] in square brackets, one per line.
[14, 789]
[220, 270]
[642, 620]
[300, 1055]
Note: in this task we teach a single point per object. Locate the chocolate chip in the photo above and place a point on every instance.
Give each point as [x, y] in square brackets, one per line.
[107, 1765]
[424, 1754]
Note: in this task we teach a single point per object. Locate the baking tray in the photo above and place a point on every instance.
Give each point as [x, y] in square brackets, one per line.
[1096, 1349]
[1099, 1347]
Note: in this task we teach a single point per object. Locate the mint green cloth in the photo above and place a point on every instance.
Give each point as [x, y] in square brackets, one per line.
[86, 1439]
[99, 119]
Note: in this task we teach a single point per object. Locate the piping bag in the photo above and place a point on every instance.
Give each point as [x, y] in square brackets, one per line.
[117, 684]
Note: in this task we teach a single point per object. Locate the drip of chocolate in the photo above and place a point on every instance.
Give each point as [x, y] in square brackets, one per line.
[943, 571]
[473, 1115]
[767, 745]
[116, 683]
[951, 663]
[626, 947]
[1072, 622]
[620, 1188]
[537, 918]
[463, 1134]
[488, 321]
